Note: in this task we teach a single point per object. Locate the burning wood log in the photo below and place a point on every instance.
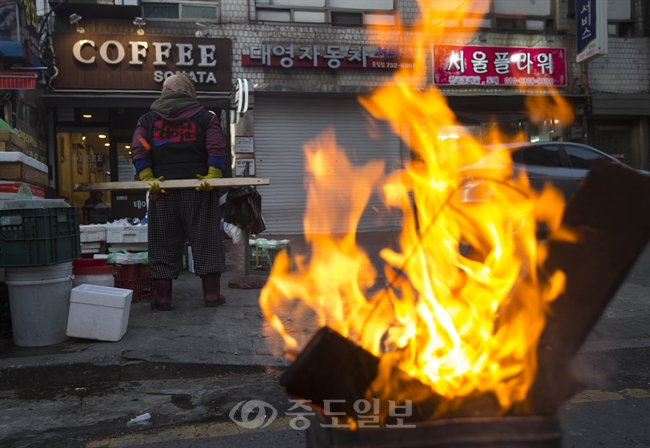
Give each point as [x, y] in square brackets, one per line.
[332, 368]
[613, 226]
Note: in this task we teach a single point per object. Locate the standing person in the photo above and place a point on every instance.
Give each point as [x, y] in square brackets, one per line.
[180, 139]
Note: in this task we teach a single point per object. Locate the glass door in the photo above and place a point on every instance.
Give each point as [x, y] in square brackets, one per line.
[83, 156]
[127, 203]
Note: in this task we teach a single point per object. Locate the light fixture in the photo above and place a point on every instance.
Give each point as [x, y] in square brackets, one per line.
[74, 19]
[205, 28]
[102, 136]
[139, 21]
[83, 137]
[87, 116]
[107, 144]
[127, 146]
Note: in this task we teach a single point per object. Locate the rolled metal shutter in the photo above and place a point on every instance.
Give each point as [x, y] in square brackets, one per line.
[284, 125]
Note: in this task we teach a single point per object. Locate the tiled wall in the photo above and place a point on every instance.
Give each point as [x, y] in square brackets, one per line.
[625, 69]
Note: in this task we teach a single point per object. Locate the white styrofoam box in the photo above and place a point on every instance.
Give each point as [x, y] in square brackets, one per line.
[126, 234]
[20, 157]
[91, 233]
[99, 312]
[91, 248]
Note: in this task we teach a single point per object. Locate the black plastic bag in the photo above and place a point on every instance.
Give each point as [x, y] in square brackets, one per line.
[243, 208]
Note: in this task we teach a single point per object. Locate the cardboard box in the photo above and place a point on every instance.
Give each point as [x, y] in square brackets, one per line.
[8, 146]
[99, 312]
[14, 139]
[16, 166]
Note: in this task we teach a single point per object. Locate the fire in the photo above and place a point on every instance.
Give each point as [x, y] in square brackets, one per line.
[465, 305]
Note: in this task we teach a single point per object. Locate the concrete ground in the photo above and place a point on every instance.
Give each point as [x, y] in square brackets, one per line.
[189, 367]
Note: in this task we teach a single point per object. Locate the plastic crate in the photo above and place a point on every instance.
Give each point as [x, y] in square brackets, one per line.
[261, 259]
[39, 236]
[137, 278]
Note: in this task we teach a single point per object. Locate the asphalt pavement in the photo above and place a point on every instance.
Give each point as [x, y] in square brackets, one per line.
[188, 368]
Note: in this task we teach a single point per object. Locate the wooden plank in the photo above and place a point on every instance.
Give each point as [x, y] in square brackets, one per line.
[183, 183]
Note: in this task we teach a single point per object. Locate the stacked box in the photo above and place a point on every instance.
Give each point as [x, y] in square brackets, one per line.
[11, 190]
[39, 236]
[10, 141]
[131, 238]
[92, 238]
[16, 166]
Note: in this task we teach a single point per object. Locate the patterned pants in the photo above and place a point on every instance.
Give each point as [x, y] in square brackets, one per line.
[181, 215]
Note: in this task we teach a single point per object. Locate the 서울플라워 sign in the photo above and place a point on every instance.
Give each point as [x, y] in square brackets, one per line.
[130, 62]
[494, 66]
[328, 56]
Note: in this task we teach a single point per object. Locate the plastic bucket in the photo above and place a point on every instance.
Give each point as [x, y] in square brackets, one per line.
[39, 300]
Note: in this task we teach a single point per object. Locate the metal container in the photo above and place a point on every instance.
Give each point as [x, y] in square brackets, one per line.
[501, 432]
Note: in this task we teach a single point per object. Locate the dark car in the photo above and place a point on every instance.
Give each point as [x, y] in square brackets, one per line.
[564, 164]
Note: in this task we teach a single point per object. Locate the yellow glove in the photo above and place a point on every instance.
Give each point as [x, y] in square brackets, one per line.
[155, 188]
[147, 174]
[213, 173]
[205, 186]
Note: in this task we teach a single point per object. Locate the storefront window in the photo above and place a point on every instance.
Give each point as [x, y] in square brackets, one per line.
[83, 157]
[546, 131]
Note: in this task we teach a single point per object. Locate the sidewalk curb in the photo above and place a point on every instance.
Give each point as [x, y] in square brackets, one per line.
[127, 367]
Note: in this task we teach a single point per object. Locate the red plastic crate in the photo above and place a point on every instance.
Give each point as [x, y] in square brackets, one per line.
[137, 278]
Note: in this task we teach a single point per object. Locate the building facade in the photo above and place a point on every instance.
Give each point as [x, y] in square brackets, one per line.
[306, 62]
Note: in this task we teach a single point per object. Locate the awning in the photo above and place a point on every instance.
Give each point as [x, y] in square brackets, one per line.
[10, 79]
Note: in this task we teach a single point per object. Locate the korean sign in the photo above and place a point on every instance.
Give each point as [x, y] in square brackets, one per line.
[591, 28]
[103, 61]
[493, 66]
[332, 56]
[35, 141]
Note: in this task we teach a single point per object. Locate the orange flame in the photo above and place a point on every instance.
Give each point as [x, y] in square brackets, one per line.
[460, 323]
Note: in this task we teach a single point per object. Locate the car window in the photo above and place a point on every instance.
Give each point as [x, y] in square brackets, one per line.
[546, 155]
[581, 158]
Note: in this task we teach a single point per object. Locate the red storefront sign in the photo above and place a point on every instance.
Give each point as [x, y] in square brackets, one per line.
[494, 66]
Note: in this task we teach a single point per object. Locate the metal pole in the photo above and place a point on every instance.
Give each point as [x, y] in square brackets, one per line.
[247, 252]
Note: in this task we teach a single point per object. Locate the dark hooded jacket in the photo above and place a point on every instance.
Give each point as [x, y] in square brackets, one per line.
[178, 139]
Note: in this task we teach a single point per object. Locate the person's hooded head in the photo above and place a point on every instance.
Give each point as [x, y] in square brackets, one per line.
[179, 83]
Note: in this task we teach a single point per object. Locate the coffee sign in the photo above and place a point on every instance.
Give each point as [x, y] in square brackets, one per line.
[132, 62]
